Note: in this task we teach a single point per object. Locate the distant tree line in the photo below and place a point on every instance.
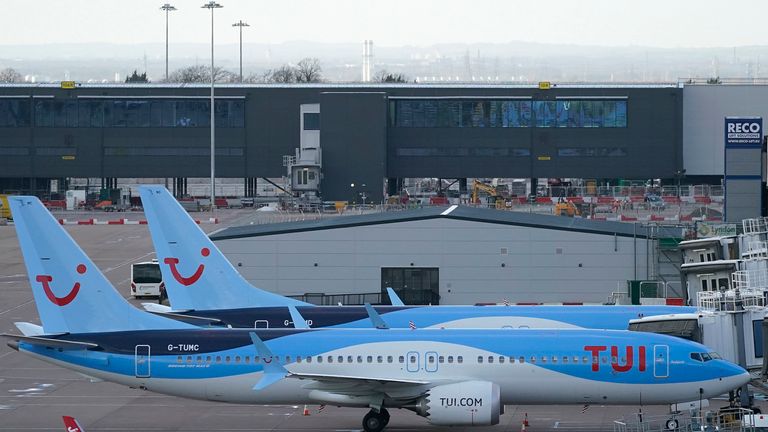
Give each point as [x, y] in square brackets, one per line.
[10, 75]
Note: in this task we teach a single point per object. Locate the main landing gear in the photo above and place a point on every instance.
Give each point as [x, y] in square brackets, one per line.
[375, 421]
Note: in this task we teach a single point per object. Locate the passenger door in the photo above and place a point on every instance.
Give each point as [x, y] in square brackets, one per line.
[661, 361]
[142, 361]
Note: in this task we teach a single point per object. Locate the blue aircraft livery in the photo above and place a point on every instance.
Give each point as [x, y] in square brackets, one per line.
[453, 377]
[202, 283]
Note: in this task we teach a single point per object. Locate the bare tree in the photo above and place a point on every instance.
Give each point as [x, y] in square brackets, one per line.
[383, 76]
[308, 70]
[285, 74]
[201, 74]
[10, 75]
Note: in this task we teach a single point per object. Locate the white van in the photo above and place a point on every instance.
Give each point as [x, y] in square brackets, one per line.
[146, 279]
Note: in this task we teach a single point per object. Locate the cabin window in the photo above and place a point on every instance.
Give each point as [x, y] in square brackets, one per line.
[369, 359]
[533, 359]
[208, 359]
[554, 359]
[227, 359]
[441, 359]
[379, 359]
[614, 359]
[605, 360]
[247, 359]
[511, 360]
[521, 359]
[189, 359]
[199, 359]
[179, 359]
[450, 359]
[256, 359]
[237, 359]
[479, 359]
[309, 359]
[350, 359]
[543, 359]
[298, 359]
[490, 359]
[585, 360]
[218, 359]
[412, 359]
[287, 359]
[340, 359]
[330, 359]
[501, 359]
[430, 359]
[565, 359]
[401, 359]
[319, 359]
[459, 359]
[390, 359]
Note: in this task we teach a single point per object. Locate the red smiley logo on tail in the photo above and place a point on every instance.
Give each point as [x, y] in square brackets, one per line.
[46, 280]
[187, 281]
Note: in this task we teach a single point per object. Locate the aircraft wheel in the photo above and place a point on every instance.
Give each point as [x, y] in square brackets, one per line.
[672, 424]
[385, 413]
[374, 422]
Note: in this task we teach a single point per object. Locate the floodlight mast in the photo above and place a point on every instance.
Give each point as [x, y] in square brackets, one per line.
[167, 8]
[212, 5]
[241, 24]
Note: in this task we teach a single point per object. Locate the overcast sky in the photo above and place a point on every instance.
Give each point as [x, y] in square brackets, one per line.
[660, 23]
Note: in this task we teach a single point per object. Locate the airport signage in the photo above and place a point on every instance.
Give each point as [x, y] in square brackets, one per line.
[741, 131]
[704, 229]
[68, 85]
[545, 85]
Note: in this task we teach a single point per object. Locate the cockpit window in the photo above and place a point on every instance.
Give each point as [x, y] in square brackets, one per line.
[705, 357]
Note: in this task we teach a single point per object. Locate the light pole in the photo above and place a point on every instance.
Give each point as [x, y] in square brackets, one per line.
[167, 8]
[212, 5]
[241, 24]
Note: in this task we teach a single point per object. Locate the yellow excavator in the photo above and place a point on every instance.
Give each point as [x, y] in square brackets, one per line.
[5, 210]
[493, 195]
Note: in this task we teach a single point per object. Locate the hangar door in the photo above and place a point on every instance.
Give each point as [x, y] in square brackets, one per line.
[414, 285]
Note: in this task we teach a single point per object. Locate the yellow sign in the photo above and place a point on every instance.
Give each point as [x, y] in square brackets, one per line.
[545, 85]
[68, 85]
[544, 158]
[68, 157]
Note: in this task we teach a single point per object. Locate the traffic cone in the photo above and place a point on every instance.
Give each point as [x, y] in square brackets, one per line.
[306, 410]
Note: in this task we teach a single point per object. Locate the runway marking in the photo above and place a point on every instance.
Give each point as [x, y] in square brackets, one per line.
[16, 307]
[13, 276]
[130, 261]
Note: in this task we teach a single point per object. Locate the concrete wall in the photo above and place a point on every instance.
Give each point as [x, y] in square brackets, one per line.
[541, 265]
[704, 111]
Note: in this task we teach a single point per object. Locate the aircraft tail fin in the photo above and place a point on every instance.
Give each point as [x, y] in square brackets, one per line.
[72, 425]
[197, 275]
[70, 292]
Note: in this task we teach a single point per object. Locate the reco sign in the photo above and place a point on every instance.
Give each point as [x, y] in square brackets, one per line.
[752, 127]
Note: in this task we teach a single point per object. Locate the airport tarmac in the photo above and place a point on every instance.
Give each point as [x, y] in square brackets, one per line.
[34, 395]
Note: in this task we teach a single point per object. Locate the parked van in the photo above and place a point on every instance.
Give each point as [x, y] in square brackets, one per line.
[146, 279]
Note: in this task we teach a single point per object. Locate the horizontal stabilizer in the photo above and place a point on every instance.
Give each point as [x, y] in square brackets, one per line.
[190, 319]
[29, 329]
[394, 299]
[52, 343]
[159, 308]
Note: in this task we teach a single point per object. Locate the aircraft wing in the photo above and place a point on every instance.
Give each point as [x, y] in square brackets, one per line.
[349, 379]
[48, 342]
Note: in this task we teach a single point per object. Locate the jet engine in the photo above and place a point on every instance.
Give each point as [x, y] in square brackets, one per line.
[468, 403]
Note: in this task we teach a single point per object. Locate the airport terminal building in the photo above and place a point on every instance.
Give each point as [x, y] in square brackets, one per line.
[371, 136]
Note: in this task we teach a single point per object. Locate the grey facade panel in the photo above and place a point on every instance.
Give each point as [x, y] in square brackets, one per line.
[743, 162]
[742, 199]
[353, 138]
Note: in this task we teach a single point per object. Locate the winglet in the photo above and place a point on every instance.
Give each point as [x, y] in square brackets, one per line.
[376, 319]
[273, 370]
[394, 299]
[298, 321]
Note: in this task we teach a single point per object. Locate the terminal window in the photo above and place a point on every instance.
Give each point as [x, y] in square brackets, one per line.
[565, 113]
[14, 112]
[125, 113]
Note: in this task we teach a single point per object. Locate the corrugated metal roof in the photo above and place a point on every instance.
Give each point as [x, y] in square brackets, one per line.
[479, 215]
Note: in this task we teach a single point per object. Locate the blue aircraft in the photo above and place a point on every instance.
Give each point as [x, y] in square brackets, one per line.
[453, 377]
[204, 287]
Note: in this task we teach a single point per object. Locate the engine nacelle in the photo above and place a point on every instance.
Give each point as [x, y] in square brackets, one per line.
[468, 403]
